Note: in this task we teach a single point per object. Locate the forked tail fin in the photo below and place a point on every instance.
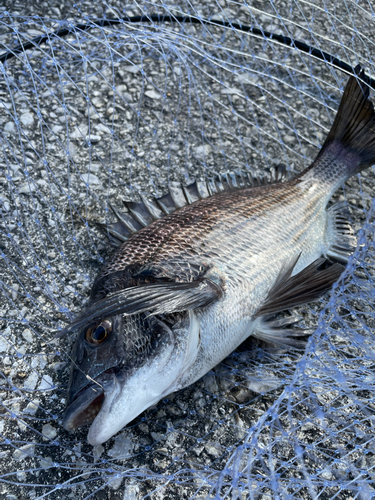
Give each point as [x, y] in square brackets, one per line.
[351, 140]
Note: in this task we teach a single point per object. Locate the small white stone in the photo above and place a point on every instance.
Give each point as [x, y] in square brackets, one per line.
[32, 407]
[27, 119]
[10, 128]
[45, 462]
[123, 446]
[49, 432]
[102, 128]
[131, 68]
[264, 385]
[115, 481]
[4, 345]
[94, 139]
[95, 167]
[25, 451]
[42, 361]
[97, 452]
[31, 381]
[27, 188]
[15, 288]
[46, 383]
[202, 151]
[73, 150]
[56, 129]
[27, 335]
[90, 178]
[153, 94]
[21, 475]
[214, 449]
[131, 492]
[5, 104]
[248, 77]
[79, 132]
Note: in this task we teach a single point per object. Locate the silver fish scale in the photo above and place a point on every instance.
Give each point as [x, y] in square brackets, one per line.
[243, 238]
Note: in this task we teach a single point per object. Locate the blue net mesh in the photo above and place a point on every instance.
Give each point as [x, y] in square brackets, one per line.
[104, 114]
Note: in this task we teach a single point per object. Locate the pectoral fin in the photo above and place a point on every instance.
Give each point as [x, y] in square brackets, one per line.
[308, 285]
[155, 298]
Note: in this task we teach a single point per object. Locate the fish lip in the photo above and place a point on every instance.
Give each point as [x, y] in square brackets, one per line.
[75, 414]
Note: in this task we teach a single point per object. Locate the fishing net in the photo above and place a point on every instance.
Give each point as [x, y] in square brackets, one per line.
[94, 116]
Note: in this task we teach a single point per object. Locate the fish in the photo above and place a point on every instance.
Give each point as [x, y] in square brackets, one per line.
[209, 266]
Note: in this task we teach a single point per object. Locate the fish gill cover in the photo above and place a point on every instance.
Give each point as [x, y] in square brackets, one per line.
[104, 114]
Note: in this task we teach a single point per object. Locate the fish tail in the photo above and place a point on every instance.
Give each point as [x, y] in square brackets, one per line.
[350, 145]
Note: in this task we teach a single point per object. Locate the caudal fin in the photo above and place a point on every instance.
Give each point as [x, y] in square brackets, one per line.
[351, 139]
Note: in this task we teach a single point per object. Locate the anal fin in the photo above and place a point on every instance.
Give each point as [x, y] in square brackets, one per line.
[277, 332]
[340, 238]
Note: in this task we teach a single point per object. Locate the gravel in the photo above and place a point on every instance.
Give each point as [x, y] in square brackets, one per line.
[258, 418]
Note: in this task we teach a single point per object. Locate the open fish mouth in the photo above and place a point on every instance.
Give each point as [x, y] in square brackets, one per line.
[88, 402]
[84, 408]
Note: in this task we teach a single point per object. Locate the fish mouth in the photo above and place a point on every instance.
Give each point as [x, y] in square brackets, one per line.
[87, 403]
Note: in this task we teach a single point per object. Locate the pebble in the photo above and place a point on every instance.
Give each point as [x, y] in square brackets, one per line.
[248, 77]
[123, 447]
[27, 335]
[94, 139]
[202, 151]
[45, 462]
[32, 407]
[4, 345]
[132, 492]
[27, 119]
[24, 451]
[103, 128]
[90, 178]
[213, 449]
[79, 132]
[15, 288]
[10, 128]
[31, 381]
[153, 94]
[57, 128]
[130, 69]
[210, 383]
[73, 149]
[46, 383]
[5, 104]
[49, 432]
[27, 188]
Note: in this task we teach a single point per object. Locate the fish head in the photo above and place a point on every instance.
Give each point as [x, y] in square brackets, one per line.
[124, 364]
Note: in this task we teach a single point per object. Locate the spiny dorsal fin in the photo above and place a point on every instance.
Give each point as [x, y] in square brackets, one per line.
[192, 193]
[141, 214]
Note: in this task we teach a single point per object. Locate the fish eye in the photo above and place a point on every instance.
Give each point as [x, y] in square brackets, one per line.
[98, 333]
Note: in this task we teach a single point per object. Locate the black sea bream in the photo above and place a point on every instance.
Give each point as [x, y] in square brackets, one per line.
[204, 268]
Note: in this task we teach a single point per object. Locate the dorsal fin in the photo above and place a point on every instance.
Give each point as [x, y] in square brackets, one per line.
[191, 192]
[178, 194]
[166, 203]
[141, 214]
